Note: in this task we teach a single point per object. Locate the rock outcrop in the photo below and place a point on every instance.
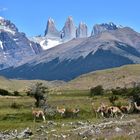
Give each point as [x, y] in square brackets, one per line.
[82, 30]
[15, 47]
[51, 30]
[69, 29]
[99, 28]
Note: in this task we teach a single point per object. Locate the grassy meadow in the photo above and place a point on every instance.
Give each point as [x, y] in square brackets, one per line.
[16, 111]
[20, 115]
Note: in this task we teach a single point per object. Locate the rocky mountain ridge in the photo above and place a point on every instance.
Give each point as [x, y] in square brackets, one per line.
[109, 46]
[108, 49]
[51, 30]
[15, 47]
[69, 32]
[53, 37]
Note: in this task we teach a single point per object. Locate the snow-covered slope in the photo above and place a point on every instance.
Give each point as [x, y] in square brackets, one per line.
[15, 47]
[47, 43]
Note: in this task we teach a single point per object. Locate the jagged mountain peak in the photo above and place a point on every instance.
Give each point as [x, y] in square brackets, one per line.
[108, 25]
[15, 47]
[51, 20]
[69, 29]
[82, 23]
[99, 28]
[51, 30]
[7, 25]
[1, 18]
[82, 30]
[70, 18]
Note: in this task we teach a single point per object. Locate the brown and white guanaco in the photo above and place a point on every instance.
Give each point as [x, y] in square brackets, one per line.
[37, 113]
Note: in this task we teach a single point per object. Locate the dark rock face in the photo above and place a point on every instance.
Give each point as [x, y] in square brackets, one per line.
[99, 28]
[69, 29]
[82, 30]
[51, 30]
[15, 47]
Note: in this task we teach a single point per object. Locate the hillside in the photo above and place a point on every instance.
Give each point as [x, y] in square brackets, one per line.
[116, 77]
[21, 85]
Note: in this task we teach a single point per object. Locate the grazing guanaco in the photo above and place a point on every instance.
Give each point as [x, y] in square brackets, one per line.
[37, 113]
[115, 111]
[126, 109]
[107, 111]
[61, 110]
[74, 112]
[103, 110]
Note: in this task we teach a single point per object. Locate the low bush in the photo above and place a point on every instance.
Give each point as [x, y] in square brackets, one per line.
[4, 92]
[16, 93]
[113, 98]
[98, 90]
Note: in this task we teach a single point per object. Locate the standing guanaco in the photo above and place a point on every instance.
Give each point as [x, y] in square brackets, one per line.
[38, 113]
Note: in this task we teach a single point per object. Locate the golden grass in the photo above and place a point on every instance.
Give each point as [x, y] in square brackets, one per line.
[109, 78]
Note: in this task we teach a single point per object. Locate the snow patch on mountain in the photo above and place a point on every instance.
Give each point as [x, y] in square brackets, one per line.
[15, 48]
[5, 29]
[1, 44]
[1, 18]
[47, 43]
[50, 43]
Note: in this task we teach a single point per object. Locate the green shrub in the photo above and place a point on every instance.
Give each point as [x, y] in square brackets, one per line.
[118, 104]
[119, 91]
[98, 90]
[4, 92]
[113, 98]
[16, 93]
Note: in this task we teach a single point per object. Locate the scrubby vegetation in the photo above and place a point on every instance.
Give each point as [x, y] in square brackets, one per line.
[40, 93]
[16, 93]
[15, 111]
[132, 93]
[4, 92]
[98, 90]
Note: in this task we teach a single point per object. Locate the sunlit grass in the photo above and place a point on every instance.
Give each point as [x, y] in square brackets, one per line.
[11, 118]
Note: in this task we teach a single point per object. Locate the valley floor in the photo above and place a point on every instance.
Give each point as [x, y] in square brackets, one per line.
[15, 120]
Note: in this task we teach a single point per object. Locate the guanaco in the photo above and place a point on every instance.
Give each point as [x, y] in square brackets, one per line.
[38, 113]
[61, 110]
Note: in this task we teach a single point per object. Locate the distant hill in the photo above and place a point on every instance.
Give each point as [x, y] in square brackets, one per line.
[125, 76]
[22, 85]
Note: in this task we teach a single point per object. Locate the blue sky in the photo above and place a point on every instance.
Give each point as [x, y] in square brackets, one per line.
[30, 16]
